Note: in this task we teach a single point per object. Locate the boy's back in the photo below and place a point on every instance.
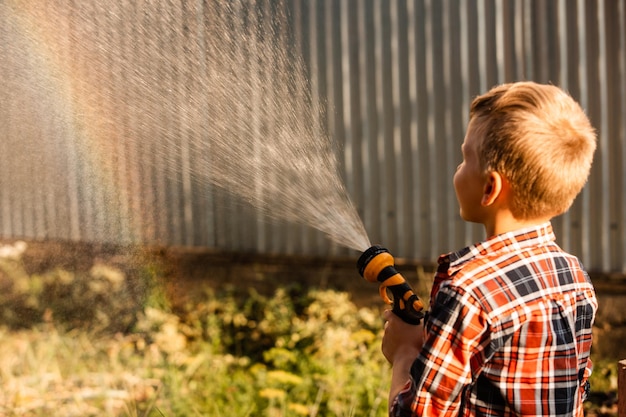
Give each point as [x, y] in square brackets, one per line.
[521, 309]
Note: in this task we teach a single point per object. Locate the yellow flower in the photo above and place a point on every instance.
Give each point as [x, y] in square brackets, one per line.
[272, 393]
[300, 409]
[283, 377]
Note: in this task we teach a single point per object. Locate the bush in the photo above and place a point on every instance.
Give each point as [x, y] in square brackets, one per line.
[78, 344]
[323, 361]
[101, 299]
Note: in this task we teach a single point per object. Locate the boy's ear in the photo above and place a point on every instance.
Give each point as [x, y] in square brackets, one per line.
[493, 188]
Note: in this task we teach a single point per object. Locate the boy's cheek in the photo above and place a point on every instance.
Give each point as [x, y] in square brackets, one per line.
[455, 182]
[458, 189]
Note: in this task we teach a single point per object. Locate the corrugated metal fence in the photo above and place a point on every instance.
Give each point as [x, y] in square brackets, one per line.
[397, 77]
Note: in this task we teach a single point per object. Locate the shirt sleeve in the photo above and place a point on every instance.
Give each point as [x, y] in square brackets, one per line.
[455, 338]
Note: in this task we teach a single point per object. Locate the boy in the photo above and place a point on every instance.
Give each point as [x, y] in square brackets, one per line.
[509, 328]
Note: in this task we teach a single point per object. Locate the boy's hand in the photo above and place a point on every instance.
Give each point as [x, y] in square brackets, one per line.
[401, 341]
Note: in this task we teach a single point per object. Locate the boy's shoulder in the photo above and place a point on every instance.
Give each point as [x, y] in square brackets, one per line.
[520, 265]
[514, 275]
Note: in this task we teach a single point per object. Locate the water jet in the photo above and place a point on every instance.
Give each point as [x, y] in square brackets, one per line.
[127, 99]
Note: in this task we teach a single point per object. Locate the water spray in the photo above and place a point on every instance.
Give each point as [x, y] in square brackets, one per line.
[377, 265]
[262, 116]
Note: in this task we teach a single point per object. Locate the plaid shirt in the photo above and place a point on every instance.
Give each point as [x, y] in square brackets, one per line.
[508, 334]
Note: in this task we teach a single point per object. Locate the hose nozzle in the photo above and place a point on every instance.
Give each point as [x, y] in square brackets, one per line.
[377, 265]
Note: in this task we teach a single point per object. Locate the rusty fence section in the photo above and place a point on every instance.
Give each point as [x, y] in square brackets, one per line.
[396, 78]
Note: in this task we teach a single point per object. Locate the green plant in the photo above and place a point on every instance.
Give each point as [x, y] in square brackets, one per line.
[100, 298]
[323, 360]
[294, 353]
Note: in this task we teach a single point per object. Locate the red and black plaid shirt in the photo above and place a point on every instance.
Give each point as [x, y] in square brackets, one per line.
[508, 333]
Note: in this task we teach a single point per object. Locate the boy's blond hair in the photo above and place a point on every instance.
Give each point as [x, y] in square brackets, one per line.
[540, 140]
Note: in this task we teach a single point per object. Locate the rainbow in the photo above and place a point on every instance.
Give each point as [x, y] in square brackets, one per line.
[71, 70]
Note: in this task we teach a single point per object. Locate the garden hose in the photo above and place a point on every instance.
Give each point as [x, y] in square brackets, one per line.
[377, 265]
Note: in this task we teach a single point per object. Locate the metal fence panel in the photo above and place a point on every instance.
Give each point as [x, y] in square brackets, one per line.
[396, 79]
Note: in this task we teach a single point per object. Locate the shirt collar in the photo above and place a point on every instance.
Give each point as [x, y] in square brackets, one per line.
[506, 242]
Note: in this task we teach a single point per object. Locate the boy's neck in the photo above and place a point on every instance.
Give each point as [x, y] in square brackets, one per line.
[505, 222]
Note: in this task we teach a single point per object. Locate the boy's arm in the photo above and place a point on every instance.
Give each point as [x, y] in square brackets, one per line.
[401, 345]
[440, 370]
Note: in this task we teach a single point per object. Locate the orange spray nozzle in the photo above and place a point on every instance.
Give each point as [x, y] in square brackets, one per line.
[377, 265]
